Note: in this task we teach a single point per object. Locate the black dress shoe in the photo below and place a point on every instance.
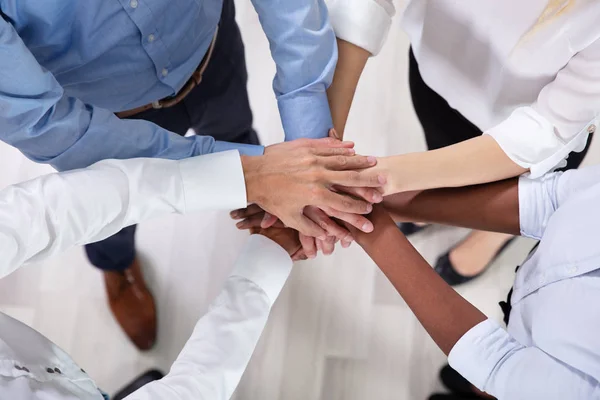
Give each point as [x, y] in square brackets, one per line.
[408, 228]
[446, 270]
[142, 380]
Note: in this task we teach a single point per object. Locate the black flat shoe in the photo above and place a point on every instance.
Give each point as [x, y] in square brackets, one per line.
[451, 396]
[142, 380]
[408, 228]
[455, 381]
[446, 270]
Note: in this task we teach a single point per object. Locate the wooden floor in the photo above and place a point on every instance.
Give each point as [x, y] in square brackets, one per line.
[338, 331]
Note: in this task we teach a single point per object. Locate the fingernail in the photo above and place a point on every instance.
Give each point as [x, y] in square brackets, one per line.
[240, 224]
[377, 198]
[367, 227]
[312, 255]
[234, 214]
[369, 208]
[372, 160]
[382, 179]
[351, 152]
[322, 238]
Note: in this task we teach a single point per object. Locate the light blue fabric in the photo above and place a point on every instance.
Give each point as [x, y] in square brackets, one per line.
[66, 66]
[550, 350]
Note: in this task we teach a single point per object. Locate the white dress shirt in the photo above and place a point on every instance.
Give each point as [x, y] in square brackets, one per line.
[44, 216]
[536, 91]
[551, 349]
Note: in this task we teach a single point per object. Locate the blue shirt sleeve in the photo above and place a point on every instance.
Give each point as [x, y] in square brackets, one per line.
[48, 127]
[304, 49]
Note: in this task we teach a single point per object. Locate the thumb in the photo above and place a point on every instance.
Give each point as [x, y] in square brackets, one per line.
[333, 134]
[268, 220]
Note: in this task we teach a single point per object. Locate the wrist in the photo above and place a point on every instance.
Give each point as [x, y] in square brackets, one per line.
[252, 166]
[389, 169]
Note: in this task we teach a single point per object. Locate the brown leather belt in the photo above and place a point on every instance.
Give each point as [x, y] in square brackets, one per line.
[194, 81]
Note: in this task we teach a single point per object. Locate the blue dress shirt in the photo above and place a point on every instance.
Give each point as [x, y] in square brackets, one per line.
[66, 66]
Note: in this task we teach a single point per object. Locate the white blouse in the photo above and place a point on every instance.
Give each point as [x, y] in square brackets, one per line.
[536, 91]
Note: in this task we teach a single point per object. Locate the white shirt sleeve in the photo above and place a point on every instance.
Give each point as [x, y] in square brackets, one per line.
[213, 360]
[364, 23]
[539, 137]
[44, 216]
[540, 198]
[493, 361]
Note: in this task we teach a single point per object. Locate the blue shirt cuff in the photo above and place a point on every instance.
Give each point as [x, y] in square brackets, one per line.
[305, 115]
[244, 149]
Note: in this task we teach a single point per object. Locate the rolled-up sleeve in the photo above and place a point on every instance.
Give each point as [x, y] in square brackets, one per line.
[364, 23]
[493, 361]
[540, 136]
[540, 198]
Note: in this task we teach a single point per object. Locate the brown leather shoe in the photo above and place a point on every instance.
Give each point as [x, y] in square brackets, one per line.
[132, 304]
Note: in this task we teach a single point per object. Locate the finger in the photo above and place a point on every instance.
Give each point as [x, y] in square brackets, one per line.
[307, 227]
[323, 220]
[357, 221]
[343, 203]
[251, 222]
[340, 163]
[246, 212]
[332, 151]
[333, 134]
[372, 195]
[309, 246]
[328, 246]
[365, 178]
[329, 142]
[268, 220]
[299, 257]
[347, 242]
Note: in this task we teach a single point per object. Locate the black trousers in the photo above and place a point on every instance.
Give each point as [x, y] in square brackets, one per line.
[444, 126]
[218, 107]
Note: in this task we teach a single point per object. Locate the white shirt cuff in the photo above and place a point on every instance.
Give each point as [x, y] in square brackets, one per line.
[478, 352]
[532, 142]
[214, 181]
[364, 23]
[266, 264]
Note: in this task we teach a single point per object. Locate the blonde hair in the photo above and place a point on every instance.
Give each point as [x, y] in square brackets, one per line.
[554, 9]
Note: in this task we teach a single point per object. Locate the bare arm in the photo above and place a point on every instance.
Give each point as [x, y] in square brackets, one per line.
[445, 314]
[351, 63]
[474, 161]
[491, 207]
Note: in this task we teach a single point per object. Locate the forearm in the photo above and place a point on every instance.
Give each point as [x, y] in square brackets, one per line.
[445, 314]
[474, 161]
[490, 207]
[351, 62]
